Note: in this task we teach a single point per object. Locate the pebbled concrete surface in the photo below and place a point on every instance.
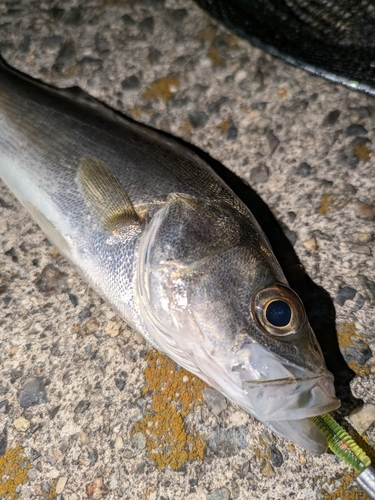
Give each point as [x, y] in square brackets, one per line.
[87, 408]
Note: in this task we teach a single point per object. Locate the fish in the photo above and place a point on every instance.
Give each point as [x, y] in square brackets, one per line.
[163, 240]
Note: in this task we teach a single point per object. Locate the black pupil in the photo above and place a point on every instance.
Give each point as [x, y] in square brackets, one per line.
[278, 313]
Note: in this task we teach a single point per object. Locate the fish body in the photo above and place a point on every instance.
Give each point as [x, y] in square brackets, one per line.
[168, 245]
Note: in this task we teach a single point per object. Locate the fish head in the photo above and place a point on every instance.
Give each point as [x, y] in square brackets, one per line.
[215, 299]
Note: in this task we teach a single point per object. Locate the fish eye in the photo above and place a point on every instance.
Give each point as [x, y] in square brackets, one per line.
[278, 311]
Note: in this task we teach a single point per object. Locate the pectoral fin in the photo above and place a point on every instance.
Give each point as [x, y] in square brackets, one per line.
[105, 195]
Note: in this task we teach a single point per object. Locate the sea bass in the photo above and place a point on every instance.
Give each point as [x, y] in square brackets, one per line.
[168, 245]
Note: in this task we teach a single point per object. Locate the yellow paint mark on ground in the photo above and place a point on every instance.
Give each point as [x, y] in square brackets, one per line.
[224, 126]
[221, 48]
[343, 492]
[135, 112]
[325, 204]
[174, 392]
[14, 467]
[263, 453]
[360, 370]
[208, 33]
[362, 152]
[345, 334]
[52, 491]
[162, 88]
[185, 130]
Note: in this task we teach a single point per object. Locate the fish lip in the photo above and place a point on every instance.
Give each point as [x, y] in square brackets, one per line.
[292, 398]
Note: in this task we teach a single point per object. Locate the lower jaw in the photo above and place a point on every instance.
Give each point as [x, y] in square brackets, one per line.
[302, 432]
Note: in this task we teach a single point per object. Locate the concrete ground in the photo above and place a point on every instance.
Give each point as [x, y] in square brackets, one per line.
[113, 418]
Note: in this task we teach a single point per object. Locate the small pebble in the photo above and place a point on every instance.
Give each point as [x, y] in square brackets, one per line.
[51, 281]
[365, 211]
[3, 440]
[120, 383]
[359, 302]
[32, 393]
[173, 16]
[130, 83]
[75, 16]
[82, 406]
[311, 244]
[215, 400]
[347, 158]
[93, 455]
[361, 249]
[14, 350]
[51, 42]
[101, 43]
[226, 442]
[362, 418]
[96, 489]
[359, 351]
[345, 293]
[84, 437]
[113, 485]
[273, 141]
[350, 189]
[32, 474]
[85, 313]
[276, 456]
[355, 129]
[21, 424]
[368, 285]
[60, 485]
[268, 470]
[291, 216]
[73, 299]
[304, 169]
[215, 106]
[244, 469]
[289, 233]
[54, 412]
[147, 25]
[66, 56]
[119, 443]
[154, 55]
[113, 328]
[363, 237]
[4, 406]
[232, 132]
[331, 118]
[222, 494]
[197, 119]
[92, 325]
[128, 20]
[259, 174]
[138, 441]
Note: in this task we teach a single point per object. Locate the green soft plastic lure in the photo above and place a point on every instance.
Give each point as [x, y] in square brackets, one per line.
[343, 446]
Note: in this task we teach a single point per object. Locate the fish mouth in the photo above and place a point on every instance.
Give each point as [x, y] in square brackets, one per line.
[276, 389]
[291, 398]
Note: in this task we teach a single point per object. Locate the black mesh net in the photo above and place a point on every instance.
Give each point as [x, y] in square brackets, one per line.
[332, 38]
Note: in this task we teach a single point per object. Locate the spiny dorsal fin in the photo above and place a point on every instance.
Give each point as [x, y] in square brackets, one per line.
[105, 195]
